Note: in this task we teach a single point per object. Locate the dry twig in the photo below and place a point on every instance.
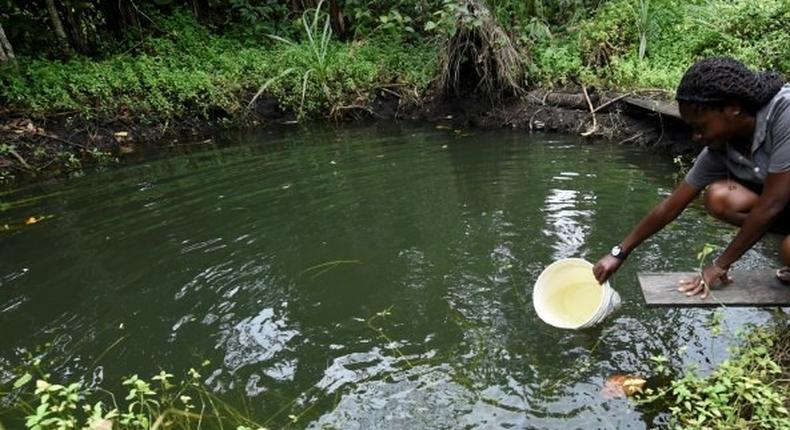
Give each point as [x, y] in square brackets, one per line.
[594, 127]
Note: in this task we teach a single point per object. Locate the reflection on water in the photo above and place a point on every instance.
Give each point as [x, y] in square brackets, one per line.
[254, 340]
[567, 224]
[375, 277]
[421, 397]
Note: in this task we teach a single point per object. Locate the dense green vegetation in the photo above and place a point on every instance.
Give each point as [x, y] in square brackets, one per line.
[171, 61]
[191, 70]
[166, 58]
[606, 47]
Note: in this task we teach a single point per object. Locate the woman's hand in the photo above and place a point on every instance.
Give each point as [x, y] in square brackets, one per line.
[605, 267]
[710, 276]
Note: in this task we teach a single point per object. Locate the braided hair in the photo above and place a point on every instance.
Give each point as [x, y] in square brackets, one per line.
[714, 81]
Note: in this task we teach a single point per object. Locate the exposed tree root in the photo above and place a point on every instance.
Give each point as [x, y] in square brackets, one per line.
[480, 55]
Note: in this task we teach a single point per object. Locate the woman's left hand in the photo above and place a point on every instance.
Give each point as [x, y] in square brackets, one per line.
[710, 276]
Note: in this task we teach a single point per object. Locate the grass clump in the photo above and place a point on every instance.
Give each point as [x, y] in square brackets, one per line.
[186, 69]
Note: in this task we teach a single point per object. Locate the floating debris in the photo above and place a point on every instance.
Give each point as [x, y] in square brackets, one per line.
[35, 220]
[622, 386]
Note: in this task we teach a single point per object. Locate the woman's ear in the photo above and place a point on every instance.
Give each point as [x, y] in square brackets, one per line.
[733, 110]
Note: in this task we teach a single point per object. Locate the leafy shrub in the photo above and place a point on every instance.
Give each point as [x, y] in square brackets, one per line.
[744, 392]
[677, 34]
[402, 19]
[556, 63]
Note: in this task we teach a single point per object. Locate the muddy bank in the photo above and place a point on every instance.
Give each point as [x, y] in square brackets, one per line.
[35, 148]
[569, 113]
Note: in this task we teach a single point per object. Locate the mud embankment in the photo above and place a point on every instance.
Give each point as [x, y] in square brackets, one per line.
[39, 147]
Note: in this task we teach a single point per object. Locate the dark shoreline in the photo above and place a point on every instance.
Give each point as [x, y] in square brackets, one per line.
[46, 147]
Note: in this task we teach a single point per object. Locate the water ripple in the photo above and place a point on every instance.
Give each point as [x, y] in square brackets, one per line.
[208, 256]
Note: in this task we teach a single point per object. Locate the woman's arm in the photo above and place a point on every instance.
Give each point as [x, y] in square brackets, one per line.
[655, 220]
[774, 198]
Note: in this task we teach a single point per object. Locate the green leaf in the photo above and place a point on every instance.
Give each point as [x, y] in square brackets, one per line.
[24, 379]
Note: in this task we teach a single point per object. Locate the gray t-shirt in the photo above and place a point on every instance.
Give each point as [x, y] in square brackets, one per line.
[770, 149]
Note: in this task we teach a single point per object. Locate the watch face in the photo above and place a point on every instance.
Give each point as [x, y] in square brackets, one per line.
[616, 251]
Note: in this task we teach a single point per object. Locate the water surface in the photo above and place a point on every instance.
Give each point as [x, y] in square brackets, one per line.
[359, 277]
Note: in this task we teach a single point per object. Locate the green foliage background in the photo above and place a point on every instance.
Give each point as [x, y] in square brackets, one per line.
[603, 48]
[193, 71]
[180, 63]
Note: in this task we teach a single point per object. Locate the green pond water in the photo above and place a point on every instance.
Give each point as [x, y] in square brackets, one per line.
[270, 253]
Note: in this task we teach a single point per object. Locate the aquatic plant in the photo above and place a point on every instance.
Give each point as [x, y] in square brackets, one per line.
[747, 391]
[702, 256]
[159, 402]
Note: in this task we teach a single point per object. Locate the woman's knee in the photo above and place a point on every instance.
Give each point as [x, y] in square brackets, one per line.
[729, 201]
[784, 251]
[718, 199]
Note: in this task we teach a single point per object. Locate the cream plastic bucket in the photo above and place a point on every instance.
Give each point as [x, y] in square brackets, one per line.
[566, 295]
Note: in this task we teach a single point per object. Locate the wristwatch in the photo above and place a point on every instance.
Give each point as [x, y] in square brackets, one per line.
[618, 252]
